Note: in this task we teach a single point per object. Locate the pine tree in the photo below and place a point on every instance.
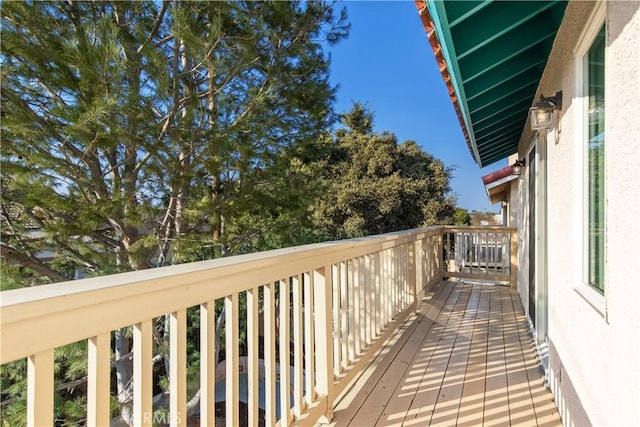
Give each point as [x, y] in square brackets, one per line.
[141, 134]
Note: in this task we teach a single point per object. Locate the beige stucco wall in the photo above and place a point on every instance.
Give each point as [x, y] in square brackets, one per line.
[595, 362]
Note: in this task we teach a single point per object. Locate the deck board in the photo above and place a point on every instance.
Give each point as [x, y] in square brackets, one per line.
[464, 359]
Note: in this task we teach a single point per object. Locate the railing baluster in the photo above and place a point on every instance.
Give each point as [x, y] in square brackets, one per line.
[357, 313]
[397, 279]
[178, 368]
[490, 248]
[402, 278]
[378, 290]
[269, 354]
[383, 289]
[374, 296]
[231, 351]
[473, 240]
[389, 287]
[413, 272]
[344, 310]
[143, 374]
[351, 311]
[458, 250]
[362, 304]
[335, 272]
[494, 252]
[309, 343]
[284, 334]
[405, 273]
[436, 258]
[40, 389]
[253, 370]
[207, 363]
[324, 370]
[486, 251]
[99, 376]
[393, 286]
[370, 312]
[393, 281]
[381, 286]
[470, 252]
[503, 253]
[298, 351]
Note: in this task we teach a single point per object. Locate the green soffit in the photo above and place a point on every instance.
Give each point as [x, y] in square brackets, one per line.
[495, 53]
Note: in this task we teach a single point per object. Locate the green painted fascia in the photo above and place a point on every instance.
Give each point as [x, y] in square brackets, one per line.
[439, 17]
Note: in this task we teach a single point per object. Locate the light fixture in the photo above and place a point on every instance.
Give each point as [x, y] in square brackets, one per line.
[542, 112]
[517, 167]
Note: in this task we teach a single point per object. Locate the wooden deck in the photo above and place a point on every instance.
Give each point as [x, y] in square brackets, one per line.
[465, 359]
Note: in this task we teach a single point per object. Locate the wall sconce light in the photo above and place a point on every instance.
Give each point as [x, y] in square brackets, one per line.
[517, 167]
[542, 112]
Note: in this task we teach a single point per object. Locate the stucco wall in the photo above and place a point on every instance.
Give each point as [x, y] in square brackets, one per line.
[595, 362]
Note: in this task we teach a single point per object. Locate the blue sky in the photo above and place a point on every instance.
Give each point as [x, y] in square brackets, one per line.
[388, 65]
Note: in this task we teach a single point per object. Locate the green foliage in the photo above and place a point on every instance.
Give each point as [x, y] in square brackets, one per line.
[461, 217]
[13, 386]
[135, 136]
[70, 395]
[375, 185]
[13, 276]
[141, 134]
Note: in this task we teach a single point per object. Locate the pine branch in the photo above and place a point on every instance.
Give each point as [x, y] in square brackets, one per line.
[30, 262]
[81, 258]
[127, 357]
[156, 25]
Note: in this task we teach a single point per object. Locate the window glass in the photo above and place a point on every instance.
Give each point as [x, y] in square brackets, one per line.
[595, 158]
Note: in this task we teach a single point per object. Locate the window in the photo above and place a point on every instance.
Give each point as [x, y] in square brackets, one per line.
[595, 141]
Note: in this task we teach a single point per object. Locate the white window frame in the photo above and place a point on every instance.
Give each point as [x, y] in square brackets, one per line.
[595, 22]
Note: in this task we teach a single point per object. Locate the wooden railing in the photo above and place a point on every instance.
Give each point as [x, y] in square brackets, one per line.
[481, 253]
[344, 298]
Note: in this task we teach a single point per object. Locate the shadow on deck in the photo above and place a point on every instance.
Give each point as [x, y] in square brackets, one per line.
[465, 358]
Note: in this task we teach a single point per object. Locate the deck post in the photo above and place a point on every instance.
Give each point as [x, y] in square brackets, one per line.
[322, 283]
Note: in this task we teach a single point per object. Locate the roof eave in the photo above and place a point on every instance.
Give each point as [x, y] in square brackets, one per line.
[447, 76]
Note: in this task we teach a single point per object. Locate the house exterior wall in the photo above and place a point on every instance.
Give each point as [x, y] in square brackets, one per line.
[520, 217]
[594, 341]
[513, 199]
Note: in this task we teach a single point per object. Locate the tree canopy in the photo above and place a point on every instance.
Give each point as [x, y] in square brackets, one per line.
[376, 185]
[141, 133]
